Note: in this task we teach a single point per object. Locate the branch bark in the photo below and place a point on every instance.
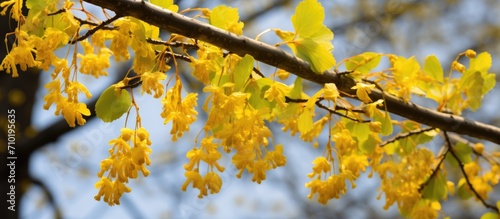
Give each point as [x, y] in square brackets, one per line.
[241, 45]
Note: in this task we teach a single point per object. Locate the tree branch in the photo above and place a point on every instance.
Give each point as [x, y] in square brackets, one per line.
[452, 152]
[271, 55]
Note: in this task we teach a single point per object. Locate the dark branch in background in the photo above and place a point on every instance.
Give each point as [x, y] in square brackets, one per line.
[405, 135]
[268, 8]
[467, 177]
[99, 27]
[271, 55]
[50, 197]
[454, 138]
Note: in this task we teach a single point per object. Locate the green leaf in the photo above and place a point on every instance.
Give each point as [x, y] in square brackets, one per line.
[489, 82]
[436, 188]
[315, 54]
[256, 99]
[463, 152]
[296, 92]
[433, 68]
[242, 71]
[358, 130]
[474, 94]
[112, 104]
[363, 63]
[463, 190]
[368, 146]
[386, 122]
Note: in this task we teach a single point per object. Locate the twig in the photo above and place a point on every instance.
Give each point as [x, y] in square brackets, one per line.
[93, 24]
[488, 157]
[92, 31]
[175, 55]
[173, 44]
[406, 135]
[57, 12]
[434, 172]
[318, 103]
[257, 71]
[465, 175]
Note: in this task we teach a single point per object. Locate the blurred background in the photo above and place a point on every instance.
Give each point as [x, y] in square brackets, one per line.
[56, 165]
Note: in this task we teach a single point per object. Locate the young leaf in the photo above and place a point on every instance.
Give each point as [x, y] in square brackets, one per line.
[463, 190]
[433, 68]
[436, 188]
[363, 63]
[242, 70]
[305, 121]
[313, 43]
[226, 18]
[112, 104]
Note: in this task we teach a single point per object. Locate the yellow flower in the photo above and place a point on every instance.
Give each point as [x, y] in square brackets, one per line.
[15, 10]
[94, 64]
[151, 82]
[124, 163]
[276, 157]
[181, 112]
[211, 154]
[321, 165]
[277, 93]
[105, 187]
[362, 91]
[259, 169]
[21, 54]
[195, 178]
[213, 182]
[73, 111]
[331, 92]
[355, 163]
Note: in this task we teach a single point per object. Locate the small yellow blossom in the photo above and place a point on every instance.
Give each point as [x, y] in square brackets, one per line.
[94, 64]
[457, 66]
[213, 182]
[15, 10]
[73, 111]
[259, 169]
[362, 91]
[470, 53]
[331, 92]
[124, 162]
[321, 165]
[151, 82]
[181, 112]
[277, 93]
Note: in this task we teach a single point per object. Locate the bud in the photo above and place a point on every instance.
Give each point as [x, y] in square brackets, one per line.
[458, 66]
[470, 54]
[376, 127]
[479, 148]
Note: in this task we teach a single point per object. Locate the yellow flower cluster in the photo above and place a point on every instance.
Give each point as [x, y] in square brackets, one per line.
[401, 181]
[180, 111]
[483, 184]
[129, 154]
[352, 162]
[209, 154]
